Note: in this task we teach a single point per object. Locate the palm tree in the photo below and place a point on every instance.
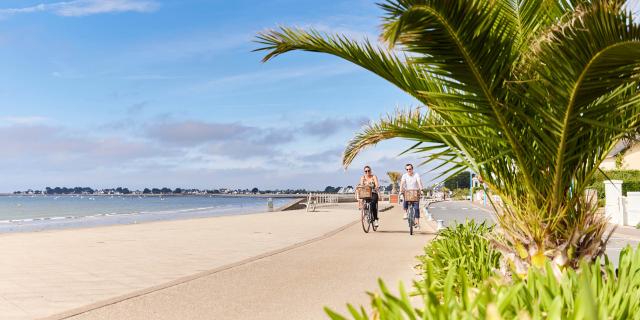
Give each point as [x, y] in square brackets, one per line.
[529, 94]
[394, 176]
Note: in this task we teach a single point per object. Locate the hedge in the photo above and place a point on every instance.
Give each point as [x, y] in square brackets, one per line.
[630, 180]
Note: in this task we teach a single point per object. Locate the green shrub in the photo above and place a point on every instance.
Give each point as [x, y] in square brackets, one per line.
[463, 246]
[460, 194]
[594, 292]
[630, 180]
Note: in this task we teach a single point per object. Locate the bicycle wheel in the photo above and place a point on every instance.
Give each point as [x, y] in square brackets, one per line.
[364, 217]
[410, 217]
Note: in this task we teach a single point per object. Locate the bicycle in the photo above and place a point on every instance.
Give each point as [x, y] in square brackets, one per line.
[366, 217]
[411, 214]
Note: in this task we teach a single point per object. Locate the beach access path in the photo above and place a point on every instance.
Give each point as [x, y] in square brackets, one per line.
[260, 266]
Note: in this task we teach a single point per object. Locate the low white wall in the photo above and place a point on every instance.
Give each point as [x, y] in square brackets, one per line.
[613, 196]
[632, 208]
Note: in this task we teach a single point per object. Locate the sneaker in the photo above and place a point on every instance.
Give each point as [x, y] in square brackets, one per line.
[405, 216]
[375, 223]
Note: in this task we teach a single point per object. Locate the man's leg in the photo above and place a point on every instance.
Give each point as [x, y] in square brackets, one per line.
[405, 206]
[417, 210]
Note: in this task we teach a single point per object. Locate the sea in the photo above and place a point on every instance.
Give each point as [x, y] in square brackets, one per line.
[20, 213]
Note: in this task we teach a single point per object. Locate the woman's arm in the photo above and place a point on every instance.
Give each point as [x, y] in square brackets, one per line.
[376, 183]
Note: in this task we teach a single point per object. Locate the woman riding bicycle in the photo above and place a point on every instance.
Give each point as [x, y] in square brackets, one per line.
[369, 179]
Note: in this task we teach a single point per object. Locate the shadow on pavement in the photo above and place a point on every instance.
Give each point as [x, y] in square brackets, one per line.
[407, 232]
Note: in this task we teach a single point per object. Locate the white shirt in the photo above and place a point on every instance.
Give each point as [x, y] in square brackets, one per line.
[408, 182]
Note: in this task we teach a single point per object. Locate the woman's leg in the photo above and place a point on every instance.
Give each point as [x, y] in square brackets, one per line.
[374, 205]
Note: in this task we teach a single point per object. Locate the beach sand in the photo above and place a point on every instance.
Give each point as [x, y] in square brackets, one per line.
[45, 273]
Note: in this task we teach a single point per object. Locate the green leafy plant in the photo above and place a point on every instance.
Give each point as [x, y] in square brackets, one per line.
[619, 160]
[460, 194]
[531, 95]
[463, 246]
[595, 292]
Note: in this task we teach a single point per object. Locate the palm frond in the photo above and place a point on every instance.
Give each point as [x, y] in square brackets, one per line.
[382, 62]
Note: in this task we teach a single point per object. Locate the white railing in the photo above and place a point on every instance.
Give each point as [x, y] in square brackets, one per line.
[315, 200]
[426, 201]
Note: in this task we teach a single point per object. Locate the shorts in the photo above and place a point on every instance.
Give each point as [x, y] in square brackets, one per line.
[415, 204]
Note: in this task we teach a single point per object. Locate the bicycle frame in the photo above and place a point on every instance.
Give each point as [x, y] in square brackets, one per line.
[411, 214]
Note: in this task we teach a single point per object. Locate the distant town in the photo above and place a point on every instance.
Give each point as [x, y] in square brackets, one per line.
[174, 191]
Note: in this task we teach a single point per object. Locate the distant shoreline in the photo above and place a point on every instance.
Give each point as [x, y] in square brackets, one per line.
[160, 195]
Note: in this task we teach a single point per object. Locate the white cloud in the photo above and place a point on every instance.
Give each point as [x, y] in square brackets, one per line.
[31, 120]
[274, 75]
[78, 8]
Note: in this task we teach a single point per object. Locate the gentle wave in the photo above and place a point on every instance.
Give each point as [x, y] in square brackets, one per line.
[42, 210]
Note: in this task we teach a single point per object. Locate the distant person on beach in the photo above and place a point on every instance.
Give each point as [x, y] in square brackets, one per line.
[411, 181]
[371, 180]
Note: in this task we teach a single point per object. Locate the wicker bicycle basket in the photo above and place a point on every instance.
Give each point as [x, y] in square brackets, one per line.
[411, 195]
[363, 192]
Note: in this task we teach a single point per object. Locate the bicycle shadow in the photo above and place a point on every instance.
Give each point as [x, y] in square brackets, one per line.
[426, 233]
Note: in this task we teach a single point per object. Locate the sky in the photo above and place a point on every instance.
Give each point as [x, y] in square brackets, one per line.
[157, 93]
[154, 93]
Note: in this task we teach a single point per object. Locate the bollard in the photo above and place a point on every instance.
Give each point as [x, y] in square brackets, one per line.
[270, 204]
[427, 213]
[440, 224]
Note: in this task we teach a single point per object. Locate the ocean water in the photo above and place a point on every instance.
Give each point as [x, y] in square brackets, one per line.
[36, 213]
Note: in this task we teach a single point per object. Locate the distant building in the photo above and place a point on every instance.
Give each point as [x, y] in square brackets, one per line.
[630, 157]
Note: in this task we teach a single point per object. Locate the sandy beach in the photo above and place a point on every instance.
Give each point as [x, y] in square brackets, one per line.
[46, 273]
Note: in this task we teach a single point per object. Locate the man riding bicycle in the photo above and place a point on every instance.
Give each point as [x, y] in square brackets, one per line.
[411, 181]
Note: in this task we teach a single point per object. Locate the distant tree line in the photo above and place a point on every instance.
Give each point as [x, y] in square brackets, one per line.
[84, 190]
[165, 190]
[459, 181]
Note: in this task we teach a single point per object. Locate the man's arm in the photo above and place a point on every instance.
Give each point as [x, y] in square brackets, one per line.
[420, 183]
[402, 183]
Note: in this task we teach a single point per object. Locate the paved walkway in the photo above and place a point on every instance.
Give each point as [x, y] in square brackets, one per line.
[294, 284]
[44, 273]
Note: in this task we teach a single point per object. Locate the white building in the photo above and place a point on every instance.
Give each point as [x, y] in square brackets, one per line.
[630, 159]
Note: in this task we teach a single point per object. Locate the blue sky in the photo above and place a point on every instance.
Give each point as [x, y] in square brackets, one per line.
[138, 93]
[168, 93]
